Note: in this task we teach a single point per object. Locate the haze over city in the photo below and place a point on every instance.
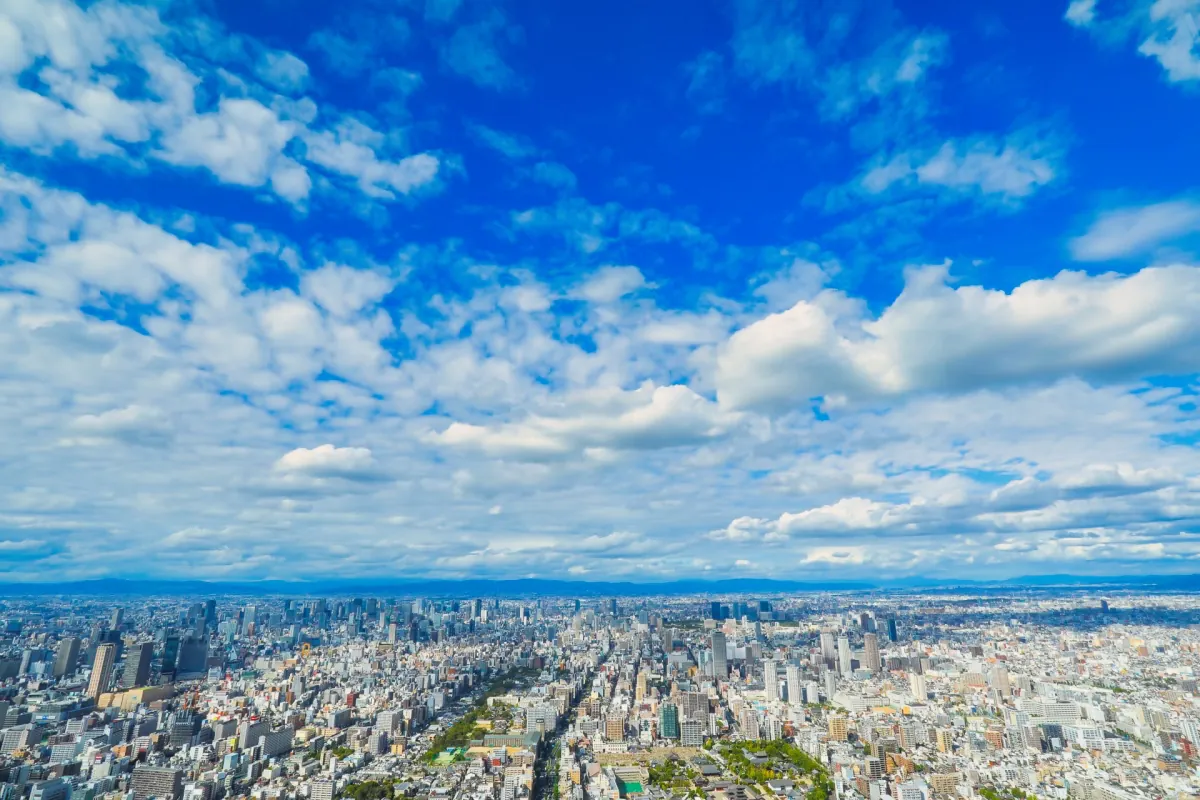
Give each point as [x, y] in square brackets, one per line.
[452, 289]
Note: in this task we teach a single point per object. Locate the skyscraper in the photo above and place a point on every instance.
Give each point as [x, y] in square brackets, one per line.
[828, 654]
[843, 650]
[871, 652]
[893, 634]
[715, 609]
[118, 615]
[137, 665]
[720, 655]
[67, 657]
[106, 654]
[770, 679]
[794, 692]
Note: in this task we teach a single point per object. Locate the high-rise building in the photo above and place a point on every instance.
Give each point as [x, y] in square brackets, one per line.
[828, 653]
[715, 609]
[67, 656]
[612, 606]
[795, 694]
[193, 656]
[170, 654]
[137, 665]
[106, 654]
[945, 740]
[871, 652]
[770, 679]
[118, 614]
[668, 721]
[720, 653]
[893, 634]
[845, 665]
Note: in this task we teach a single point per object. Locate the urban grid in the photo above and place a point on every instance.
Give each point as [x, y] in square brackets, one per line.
[811, 696]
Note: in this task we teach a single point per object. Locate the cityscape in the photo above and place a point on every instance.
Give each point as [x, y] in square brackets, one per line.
[600, 400]
[810, 696]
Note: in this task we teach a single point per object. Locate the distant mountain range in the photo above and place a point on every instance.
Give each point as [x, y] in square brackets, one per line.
[532, 587]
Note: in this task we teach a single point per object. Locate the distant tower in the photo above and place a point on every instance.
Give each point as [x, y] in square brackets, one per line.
[871, 652]
[137, 665]
[118, 615]
[771, 679]
[844, 662]
[67, 657]
[106, 654]
[720, 655]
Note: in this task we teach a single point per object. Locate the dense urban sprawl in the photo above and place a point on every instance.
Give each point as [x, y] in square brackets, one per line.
[804, 697]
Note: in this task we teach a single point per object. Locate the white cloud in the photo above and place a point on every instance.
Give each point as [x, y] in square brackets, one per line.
[1010, 170]
[282, 70]
[610, 284]
[1175, 38]
[350, 150]
[327, 461]
[600, 422]
[131, 425]
[1126, 232]
[84, 103]
[935, 338]
[1081, 13]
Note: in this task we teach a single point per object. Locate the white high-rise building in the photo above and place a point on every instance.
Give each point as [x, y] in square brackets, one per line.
[843, 647]
[771, 679]
[795, 692]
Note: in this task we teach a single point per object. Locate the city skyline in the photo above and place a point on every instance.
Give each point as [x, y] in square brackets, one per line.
[445, 289]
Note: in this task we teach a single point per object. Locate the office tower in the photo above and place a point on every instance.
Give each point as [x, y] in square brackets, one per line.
[715, 610]
[170, 655]
[668, 721]
[720, 655]
[871, 652]
[830, 684]
[193, 656]
[828, 654]
[920, 688]
[106, 654]
[578, 605]
[612, 606]
[137, 665]
[66, 657]
[864, 621]
[770, 679]
[893, 634]
[393, 632]
[210, 612]
[118, 615]
[1104, 606]
[844, 661]
[794, 692]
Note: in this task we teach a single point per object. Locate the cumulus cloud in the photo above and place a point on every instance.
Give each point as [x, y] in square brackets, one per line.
[248, 137]
[328, 461]
[609, 284]
[598, 423]
[136, 425]
[939, 338]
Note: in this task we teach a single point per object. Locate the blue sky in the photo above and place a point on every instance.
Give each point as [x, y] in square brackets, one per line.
[448, 288]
